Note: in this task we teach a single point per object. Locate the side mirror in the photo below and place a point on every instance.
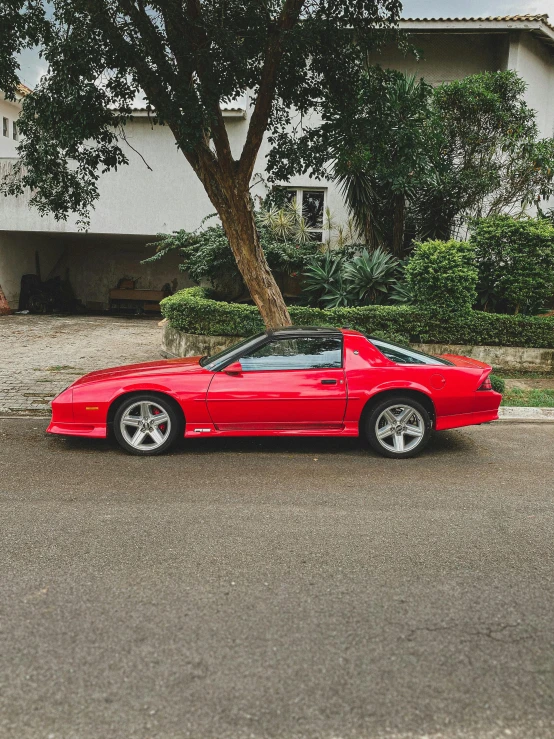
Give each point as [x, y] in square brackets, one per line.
[235, 368]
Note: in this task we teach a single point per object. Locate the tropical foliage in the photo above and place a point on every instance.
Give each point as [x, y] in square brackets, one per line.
[207, 257]
[417, 163]
[340, 279]
[516, 263]
[185, 60]
[490, 158]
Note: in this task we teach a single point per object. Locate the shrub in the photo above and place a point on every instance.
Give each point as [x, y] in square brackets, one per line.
[443, 275]
[191, 311]
[392, 336]
[497, 383]
[206, 255]
[516, 262]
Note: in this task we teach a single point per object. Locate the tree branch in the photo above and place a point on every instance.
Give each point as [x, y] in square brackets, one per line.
[267, 86]
[197, 38]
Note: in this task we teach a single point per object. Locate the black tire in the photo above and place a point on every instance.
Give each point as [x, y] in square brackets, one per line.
[400, 444]
[136, 407]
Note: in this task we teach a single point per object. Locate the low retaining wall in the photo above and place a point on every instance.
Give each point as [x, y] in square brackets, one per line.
[178, 344]
[506, 358]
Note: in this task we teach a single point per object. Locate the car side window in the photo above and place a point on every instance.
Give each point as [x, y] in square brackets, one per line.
[402, 355]
[297, 353]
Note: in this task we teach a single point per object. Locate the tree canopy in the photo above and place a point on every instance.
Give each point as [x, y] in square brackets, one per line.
[22, 25]
[186, 57]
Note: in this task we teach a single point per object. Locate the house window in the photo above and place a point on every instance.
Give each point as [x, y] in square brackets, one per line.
[14, 131]
[6, 127]
[311, 203]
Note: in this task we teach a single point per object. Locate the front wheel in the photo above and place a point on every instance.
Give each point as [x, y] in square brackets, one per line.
[146, 424]
[398, 427]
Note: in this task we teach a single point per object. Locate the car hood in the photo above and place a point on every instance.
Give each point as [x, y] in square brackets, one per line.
[461, 361]
[160, 367]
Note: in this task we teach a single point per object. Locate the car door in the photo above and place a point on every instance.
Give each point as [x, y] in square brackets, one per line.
[288, 383]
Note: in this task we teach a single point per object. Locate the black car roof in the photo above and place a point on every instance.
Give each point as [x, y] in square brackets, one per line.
[300, 331]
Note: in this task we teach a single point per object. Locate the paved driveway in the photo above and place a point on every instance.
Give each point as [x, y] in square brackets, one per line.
[287, 589]
[41, 355]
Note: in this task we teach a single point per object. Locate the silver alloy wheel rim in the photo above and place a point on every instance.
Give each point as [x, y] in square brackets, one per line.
[400, 428]
[145, 425]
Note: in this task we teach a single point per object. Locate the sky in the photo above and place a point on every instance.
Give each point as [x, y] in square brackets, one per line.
[32, 67]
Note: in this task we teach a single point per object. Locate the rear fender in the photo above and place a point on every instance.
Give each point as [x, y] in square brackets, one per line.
[359, 405]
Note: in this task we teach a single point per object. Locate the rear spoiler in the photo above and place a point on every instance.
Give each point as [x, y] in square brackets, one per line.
[461, 361]
[470, 363]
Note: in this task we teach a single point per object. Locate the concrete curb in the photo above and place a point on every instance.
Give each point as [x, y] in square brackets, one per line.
[513, 414]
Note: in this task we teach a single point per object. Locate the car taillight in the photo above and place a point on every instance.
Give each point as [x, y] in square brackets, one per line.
[485, 385]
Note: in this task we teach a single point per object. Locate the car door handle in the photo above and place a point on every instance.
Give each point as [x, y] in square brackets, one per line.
[328, 382]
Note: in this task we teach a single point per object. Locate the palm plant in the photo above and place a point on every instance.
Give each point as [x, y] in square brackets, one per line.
[286, 223]
[380, 153]
[357, 188]
[321, 275]
[371, 276]
[338, 294]
[401, 293]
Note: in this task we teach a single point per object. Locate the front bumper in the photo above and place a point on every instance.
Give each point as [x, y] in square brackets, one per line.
[64, 428]
[63, 419]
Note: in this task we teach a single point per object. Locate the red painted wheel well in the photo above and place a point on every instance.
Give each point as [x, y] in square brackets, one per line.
[112, 410]
[422, 398]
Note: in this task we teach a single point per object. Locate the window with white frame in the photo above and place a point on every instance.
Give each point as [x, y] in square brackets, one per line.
[15, 133]
[6, 127]
[311, 203]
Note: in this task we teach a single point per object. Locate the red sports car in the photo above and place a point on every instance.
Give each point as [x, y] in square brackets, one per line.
[289, 382]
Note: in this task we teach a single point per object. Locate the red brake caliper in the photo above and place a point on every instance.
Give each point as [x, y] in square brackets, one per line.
[157, 412]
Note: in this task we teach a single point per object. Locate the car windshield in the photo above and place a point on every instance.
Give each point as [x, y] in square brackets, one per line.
[215, 360]
[404, 355]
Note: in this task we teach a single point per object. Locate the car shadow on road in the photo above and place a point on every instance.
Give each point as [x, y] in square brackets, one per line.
[446, 442]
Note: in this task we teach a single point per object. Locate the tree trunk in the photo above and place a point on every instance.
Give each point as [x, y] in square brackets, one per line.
[399, 225]
[237, 218]
[370, 234]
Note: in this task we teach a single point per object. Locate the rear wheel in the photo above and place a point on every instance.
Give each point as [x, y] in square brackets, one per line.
[146, 425]
[398, 427]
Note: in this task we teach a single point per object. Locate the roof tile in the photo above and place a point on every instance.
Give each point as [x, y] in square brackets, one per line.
[541, 18]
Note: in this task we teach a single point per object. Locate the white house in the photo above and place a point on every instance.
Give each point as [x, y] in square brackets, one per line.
[9, 113]
[136, 203]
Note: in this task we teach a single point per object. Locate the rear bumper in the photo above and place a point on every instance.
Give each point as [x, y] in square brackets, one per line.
[465, 419]
[92, 431]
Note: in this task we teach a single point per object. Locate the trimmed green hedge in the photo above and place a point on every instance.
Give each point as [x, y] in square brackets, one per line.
[192, 312]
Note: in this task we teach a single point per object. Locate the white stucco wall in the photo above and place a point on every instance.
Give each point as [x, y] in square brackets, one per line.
[77, 257]
[139, 200]
[10, 111]
[535, 63]
[135, 200]
[17, 258]
[447, 56]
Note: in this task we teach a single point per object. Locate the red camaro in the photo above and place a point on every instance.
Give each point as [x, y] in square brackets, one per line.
[288, 382]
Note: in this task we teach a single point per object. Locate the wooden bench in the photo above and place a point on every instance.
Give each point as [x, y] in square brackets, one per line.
[142, 300]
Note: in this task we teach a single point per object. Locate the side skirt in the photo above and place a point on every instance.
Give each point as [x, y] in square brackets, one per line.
[205, 429]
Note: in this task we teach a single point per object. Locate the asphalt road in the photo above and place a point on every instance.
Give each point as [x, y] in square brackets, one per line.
[277, 588]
